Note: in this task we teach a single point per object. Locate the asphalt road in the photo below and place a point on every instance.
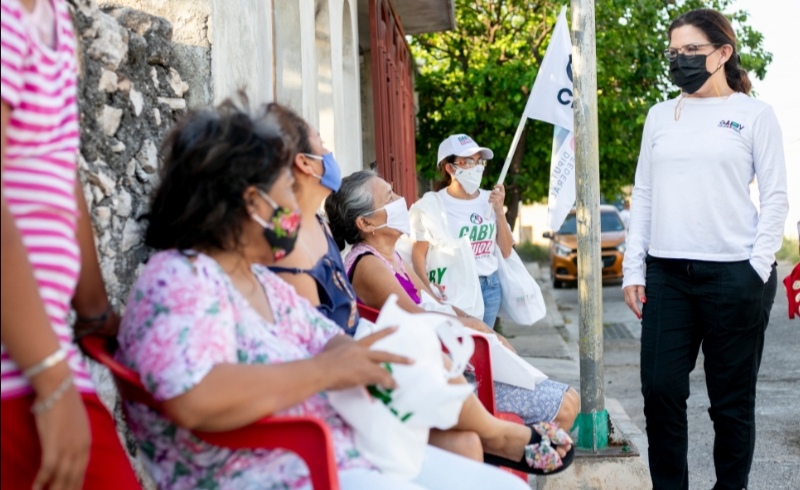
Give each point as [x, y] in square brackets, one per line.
[776, 464]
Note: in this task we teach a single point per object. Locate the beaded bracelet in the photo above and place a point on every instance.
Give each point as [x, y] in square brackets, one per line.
[102, 317]
[46, 404]
[46, 363]
[96, 323]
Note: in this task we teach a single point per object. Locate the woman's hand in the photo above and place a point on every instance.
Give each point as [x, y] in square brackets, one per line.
[65, 439]
[497, 199]
[440, 289]
[352, 363]
[633, 296]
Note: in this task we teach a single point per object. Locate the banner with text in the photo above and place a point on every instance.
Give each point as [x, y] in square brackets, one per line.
[562, 177]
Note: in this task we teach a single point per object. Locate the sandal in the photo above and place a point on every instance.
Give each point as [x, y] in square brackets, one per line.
[540, 457]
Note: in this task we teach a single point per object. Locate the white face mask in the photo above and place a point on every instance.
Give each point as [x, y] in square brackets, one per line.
[396, 216]
[469, 178]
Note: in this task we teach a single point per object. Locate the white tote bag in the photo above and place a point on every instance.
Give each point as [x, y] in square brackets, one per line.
[449, 262]
[392, 426]
[522, 300]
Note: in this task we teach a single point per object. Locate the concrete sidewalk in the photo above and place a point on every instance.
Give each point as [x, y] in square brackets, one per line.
[551, 345]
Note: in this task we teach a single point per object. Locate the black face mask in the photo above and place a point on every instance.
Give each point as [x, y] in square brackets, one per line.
[689, 73]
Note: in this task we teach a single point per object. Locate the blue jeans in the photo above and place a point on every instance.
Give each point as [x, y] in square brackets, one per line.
[492, 296]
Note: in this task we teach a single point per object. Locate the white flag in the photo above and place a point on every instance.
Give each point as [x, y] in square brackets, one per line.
[551, 101]
[551, 97]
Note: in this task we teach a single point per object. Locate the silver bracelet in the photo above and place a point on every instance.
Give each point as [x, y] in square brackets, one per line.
[46, 363]
[46, 404]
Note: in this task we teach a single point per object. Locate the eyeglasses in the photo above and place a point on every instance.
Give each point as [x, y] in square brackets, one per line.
[470, 162]
[690, 50]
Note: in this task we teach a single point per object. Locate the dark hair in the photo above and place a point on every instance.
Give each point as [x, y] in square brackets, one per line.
[293, 127]
[343, 207]
[719, 31]
[446, 178]
[210, 158]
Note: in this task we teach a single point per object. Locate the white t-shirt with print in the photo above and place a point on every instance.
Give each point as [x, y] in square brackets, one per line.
[475, 219]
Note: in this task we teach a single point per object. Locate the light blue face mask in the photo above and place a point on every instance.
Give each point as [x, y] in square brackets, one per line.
[331, 173]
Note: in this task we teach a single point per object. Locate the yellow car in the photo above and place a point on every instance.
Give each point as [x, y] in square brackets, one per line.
[564, 247]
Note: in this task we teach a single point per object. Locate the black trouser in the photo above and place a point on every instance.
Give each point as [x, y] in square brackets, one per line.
[723, 306]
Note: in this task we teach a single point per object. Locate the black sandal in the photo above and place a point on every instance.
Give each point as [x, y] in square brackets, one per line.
[540, 457]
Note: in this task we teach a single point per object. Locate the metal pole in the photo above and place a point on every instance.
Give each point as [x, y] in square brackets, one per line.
[593, 419]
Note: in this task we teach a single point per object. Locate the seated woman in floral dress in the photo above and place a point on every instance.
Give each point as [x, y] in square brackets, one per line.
[223, 342]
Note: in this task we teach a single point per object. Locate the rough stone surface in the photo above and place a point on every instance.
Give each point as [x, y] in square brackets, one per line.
[173, 102]
[131, 93]
[148, 157]
[108, 81]
[191, 21]
[109, 41]
[131, 235]
[111, 118]
[137, 99]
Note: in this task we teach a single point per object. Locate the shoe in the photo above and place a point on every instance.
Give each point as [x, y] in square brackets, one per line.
[540, 457]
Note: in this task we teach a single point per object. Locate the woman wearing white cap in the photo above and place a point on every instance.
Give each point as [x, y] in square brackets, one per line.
[470, 211]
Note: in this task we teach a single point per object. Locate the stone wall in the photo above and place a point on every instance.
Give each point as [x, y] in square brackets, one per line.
[130, 93]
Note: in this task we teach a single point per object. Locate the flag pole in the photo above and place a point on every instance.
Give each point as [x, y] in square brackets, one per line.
[513, 149]
[593, 418]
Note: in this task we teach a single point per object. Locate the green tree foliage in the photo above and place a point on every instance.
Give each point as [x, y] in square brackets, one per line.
[476, 79]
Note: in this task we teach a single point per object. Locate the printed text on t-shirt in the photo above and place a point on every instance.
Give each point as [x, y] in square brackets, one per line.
[481, 236]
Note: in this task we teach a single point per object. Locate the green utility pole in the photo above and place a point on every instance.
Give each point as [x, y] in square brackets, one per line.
[593, 419]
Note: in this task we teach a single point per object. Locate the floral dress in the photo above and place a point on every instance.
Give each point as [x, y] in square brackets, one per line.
[184, 317]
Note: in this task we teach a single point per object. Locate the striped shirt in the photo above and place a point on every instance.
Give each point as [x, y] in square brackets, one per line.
[39, 84]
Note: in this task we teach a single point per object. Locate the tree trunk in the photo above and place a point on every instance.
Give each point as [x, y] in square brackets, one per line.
[512, 190]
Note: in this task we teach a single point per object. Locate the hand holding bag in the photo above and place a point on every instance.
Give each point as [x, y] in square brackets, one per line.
[392, 426]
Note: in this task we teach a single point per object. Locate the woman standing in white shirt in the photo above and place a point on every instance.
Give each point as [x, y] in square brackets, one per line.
[472, 212]
[710, 276]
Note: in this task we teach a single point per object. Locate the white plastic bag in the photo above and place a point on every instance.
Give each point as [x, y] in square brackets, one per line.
[507, 366]
[522, 300]
[392, 426]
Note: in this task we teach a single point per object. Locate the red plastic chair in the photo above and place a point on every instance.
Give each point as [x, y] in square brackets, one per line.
[482, 363]
[308, 437]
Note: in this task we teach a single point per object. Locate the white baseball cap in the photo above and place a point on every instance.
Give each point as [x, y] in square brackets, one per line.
[461, 145]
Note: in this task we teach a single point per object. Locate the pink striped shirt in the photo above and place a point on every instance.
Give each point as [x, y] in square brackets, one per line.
[39, 84]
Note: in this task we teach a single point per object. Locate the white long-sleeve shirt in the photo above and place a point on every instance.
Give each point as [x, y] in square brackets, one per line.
[691, 197]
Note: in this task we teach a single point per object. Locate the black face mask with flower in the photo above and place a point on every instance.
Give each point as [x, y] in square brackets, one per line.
[281, 229]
